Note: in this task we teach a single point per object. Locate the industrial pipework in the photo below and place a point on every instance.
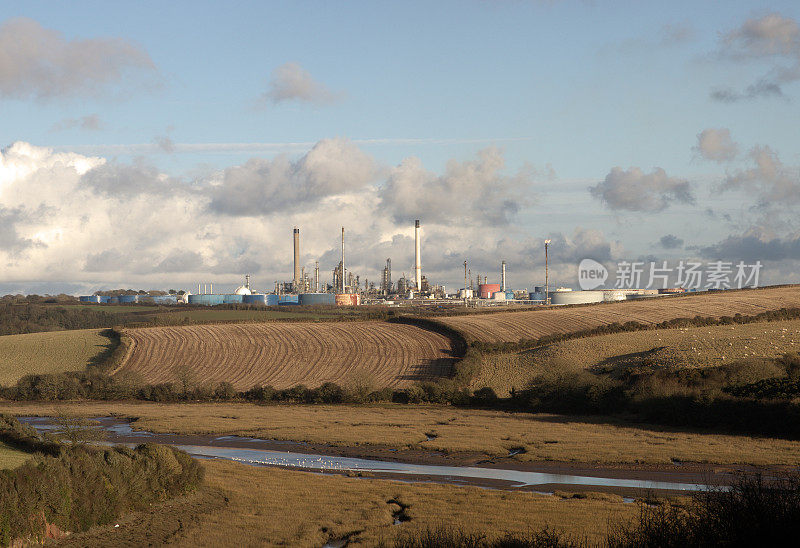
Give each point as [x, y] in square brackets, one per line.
[418, 258]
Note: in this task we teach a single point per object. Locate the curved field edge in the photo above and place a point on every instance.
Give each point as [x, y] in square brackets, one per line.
[286, 354]
[530, 325]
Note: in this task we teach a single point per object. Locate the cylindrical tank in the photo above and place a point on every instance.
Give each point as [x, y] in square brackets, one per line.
[165, 299]
[127, 299]
[348, 299]
[317, 298]
[113, 300]
[104, 298]
[499, 295]
[206, 299]
[464, 293]
[288, 299]
[536, 296]
[576, 297]
[90, 299]
[485, 291]
[232, 298]
[510, 294]
[261, 299]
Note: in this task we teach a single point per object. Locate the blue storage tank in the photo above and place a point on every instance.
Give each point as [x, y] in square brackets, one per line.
[264, 300]
[89, 299]
[127, 299]
[165, 299]
[509, 295]
[207, 299]
[288, 299]
[113, 300]
[232, 298]
[317, 298]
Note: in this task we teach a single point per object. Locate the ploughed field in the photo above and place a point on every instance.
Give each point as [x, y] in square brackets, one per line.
[282, 355]
[532, 324]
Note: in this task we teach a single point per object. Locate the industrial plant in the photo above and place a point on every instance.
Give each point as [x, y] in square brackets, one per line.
[347, 289]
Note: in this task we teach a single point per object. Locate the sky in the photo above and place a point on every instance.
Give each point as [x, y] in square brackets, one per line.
[160, 145]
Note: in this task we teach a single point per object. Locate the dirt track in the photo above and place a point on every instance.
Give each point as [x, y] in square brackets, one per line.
[286, 354]
[513, 326]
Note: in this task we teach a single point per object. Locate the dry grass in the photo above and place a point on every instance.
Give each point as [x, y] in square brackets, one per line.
[692, 347]
[273, 507]
[287, 354]
[49, 352]
[513, 326]
[545, 437]
[10, 457]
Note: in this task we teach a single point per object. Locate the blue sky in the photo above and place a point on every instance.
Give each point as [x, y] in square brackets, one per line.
[564, 91]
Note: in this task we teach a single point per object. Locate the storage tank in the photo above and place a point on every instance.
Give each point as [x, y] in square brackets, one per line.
[113, 300]
[261, 299]
[206, 299]
[104, 299]
[289, 299]
[348, 299]
[89, 299]
[464, 293]
[485, 291]
[233, 298]
[317, 298]
[499, 296]
[165, 299]
[576, 297]
[510, 294]
[128, 299]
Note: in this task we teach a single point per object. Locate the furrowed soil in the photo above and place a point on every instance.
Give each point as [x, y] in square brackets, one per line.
[48, 352]
[466, 435]
[287, 354]
[254, 506]
[532, 324]
[756, 344]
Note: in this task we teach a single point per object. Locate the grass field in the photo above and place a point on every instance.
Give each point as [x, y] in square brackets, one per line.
[513, 326]
[10, 457]
[544, 437]
[756, 343]
[273, 507]
[48, 352]
[287, 354]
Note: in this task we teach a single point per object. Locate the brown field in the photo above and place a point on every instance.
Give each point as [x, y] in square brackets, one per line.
[252, 506]
[545, 437]
[11, 457]
[532, 324]
[755, 343]
[286, 354]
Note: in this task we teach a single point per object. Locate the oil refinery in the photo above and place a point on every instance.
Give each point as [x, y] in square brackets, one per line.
[346, 289]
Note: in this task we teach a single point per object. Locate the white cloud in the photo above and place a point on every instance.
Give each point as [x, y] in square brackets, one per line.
[40, 63]
[775, 185]
[291, 82]
[716, 144]
[634, 190]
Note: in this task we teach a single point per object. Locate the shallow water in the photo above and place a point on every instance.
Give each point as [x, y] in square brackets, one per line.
[121, 432]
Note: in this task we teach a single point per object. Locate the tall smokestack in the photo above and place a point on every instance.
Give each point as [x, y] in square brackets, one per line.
[316, 276]
[296, 281]
[343, 270]
[503, 276]
[418, 257]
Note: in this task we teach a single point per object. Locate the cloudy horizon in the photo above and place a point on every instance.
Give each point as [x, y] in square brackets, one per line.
[680, 146]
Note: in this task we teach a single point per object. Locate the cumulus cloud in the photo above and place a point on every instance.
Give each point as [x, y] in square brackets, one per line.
[772, 39]
[90, 122]
[634, 190]
[670, 241]
[716, 144]
[261, 186]
[291, 82]
[475, 191]
[755, 245]
[40, 63]
[774, 184]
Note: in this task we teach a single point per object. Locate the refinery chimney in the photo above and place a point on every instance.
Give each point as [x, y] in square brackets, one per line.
[343, 270]
[418, 258]
[296, 281]
[503, 276]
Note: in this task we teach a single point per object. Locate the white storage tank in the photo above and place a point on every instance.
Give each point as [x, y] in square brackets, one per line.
[576, 297]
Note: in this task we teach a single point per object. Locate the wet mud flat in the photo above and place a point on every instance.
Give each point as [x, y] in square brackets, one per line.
[415, 465]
